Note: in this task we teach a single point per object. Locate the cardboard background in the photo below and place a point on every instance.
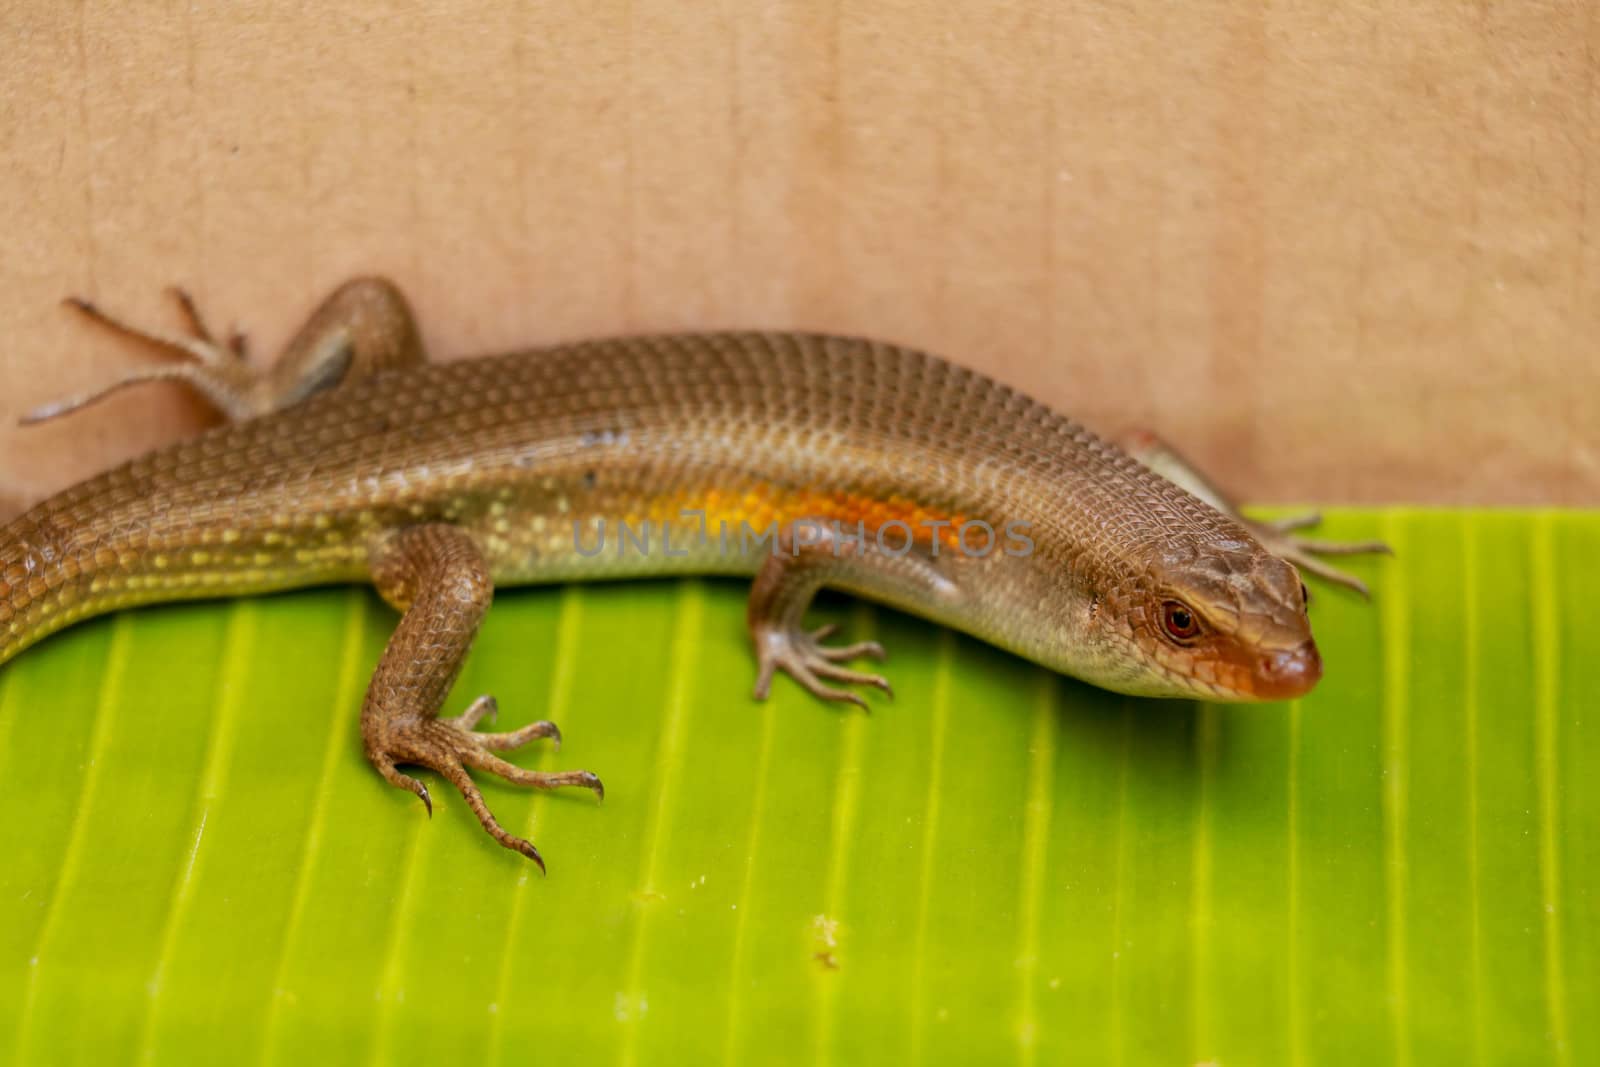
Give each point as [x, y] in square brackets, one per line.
[1334, 252]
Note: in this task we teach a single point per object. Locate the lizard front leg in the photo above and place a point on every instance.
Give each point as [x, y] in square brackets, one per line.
[362, 327]
[437, 577]
[809, 554]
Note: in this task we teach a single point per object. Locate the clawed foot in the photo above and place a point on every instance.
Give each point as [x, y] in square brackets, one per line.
[1303, 552]
[1274, 536]
[807, 660]
[219, 370]
[450, 746]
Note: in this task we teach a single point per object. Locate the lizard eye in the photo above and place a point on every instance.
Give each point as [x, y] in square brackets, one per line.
[1179, 621]
[1305, 594]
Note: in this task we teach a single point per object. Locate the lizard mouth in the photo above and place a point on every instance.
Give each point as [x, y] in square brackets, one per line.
[1245, 673]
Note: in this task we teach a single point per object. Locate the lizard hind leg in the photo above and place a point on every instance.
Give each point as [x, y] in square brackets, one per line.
[437, 577]
[362, 327]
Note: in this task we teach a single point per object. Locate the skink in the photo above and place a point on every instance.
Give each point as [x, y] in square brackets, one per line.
[800, 460]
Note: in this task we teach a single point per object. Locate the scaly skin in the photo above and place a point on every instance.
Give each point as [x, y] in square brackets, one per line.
[439, 481]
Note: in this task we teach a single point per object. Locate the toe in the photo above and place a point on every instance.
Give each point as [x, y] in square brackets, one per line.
[817, 688]
[859, 650]
[514, 739]
[850, 677]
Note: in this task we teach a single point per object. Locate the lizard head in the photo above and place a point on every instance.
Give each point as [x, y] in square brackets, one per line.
[1223, 622]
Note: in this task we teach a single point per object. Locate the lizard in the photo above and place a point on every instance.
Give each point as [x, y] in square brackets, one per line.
[798, 460]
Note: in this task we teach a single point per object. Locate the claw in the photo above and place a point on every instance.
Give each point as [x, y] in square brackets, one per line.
[528, 850]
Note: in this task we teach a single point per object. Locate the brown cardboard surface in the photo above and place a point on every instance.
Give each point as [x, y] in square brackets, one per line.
[1335, 252]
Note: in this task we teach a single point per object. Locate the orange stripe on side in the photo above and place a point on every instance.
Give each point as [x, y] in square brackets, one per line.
[765, 506]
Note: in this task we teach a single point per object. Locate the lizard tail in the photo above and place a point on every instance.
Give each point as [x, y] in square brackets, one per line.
[46, 581]
[98, 547]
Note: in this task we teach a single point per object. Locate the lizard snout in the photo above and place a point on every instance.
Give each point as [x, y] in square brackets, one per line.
[1288, 674]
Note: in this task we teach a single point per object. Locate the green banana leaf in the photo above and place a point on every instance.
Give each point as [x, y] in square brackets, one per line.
[999, 865]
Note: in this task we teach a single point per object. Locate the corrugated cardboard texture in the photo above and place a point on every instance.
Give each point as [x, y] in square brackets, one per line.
[1336, 252]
